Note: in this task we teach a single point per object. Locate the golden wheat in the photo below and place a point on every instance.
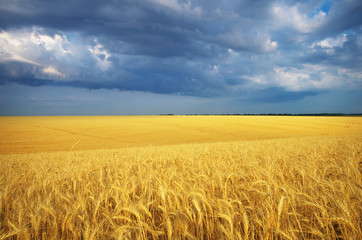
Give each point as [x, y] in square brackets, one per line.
[40, 134]
[290, 188]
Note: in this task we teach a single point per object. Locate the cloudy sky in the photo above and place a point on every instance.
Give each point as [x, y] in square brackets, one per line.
[86, 57]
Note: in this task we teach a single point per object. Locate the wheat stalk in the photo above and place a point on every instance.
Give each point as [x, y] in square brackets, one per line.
[280, 209]
[246, 225]
[9, 234]
[75, 144]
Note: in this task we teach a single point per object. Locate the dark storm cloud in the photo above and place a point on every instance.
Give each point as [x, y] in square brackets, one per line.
[343, 16]
[277, 94]
[273, 50]
[148, 28]
[156, 77]
[346, 55]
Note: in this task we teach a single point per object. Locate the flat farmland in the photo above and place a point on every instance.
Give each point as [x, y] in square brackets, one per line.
[181, 177]
[39, 134]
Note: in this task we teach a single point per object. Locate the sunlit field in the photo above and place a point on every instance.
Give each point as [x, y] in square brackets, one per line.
[181, 177]
[40, 134]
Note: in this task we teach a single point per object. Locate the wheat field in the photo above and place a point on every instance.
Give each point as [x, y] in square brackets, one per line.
[181, 177]
[45, 134]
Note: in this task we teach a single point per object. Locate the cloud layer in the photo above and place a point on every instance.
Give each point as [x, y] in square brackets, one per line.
[271, 51]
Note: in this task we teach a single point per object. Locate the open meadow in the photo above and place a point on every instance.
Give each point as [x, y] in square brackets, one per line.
[181, 177]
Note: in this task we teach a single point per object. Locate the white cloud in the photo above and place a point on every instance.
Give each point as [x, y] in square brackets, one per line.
[182, 7]
[14, 47]
[292, 79]
[29, 46]
[101, 55]
[269, 45]
[52, 56]
[169, 3]
[308, 77]
[52, 71]
[57, 43]
[290, 16]
[312, 76]
[329, 43]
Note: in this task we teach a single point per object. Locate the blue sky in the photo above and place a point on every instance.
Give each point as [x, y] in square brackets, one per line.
[180, 56]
